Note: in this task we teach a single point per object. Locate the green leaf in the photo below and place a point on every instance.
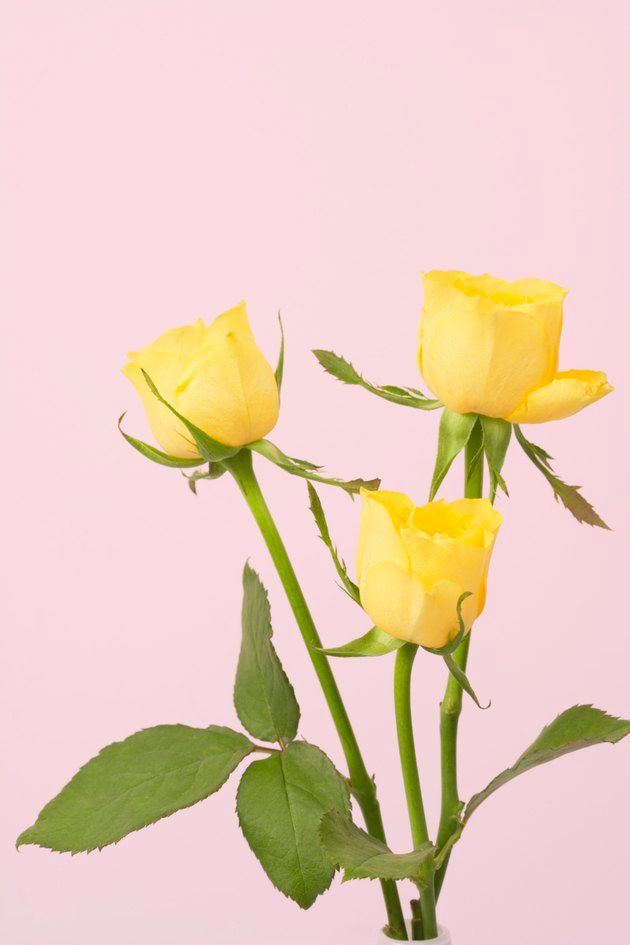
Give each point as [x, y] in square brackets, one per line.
[320, 519]
[496, 439]
[157, 456]
[458, 673]
[373, 643]
[136, 782]
[264, 698]
[445, 850]
[306, 470]
[570, 496]
[345, 372]
[364, 857]
[279, 372]
[280, 804]
[214, 471]
[211, 450]
[455, 430]
[578, 727]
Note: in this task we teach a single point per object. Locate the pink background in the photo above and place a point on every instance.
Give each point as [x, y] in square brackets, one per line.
[162, 160]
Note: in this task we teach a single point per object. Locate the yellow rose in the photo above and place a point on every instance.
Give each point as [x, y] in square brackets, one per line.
[414, 562]
[491, 347]
[214, 375]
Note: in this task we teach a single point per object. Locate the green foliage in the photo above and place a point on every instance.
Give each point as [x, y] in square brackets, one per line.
[345, 372]
[570, 496]
[157, 456]
[136, 782]
[306, 470]
[455, 431]
[280, 804]
[211, 450]
[373, 643]
[578, 727]
[496, 439]
[263, 696]
[364, 857]
[320, 519]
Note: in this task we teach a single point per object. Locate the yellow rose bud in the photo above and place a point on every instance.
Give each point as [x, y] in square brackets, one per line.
[214, 375]
[491, 347]
[414, 563]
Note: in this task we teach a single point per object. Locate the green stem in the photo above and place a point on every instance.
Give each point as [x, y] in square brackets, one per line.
[416, 921]
[362, 784]
[407, 749]
[451, 706]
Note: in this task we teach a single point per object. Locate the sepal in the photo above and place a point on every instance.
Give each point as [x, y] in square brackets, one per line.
[458, 673]
[279, 371]
[214, 471]
[307, 470]
[155, 455]
[211, 450]
[455, 431]
[570, 496]
[449, 648]
[346, 373]
[317, 509]
[373, 643]
[496, 435]
[452, 645]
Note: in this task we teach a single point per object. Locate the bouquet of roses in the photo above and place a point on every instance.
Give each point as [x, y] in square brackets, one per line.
[488, 351]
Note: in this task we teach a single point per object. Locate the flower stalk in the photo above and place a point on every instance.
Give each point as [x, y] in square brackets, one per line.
[451, 706]
[411, 779]
[362, 785]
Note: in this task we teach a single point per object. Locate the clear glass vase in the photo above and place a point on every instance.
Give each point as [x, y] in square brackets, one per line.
[444, 937]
